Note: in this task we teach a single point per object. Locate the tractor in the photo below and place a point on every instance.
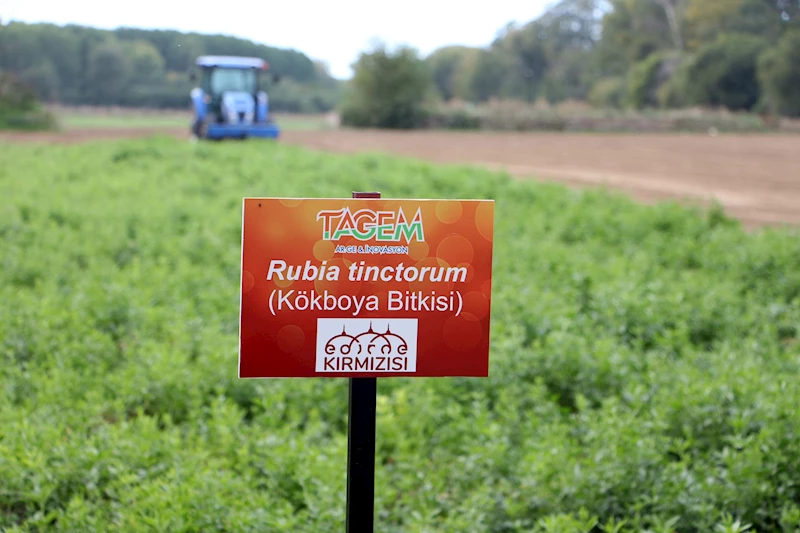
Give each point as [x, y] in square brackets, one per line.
[230, 101]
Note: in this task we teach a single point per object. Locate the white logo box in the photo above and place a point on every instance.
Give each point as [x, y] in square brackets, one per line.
[366, 345]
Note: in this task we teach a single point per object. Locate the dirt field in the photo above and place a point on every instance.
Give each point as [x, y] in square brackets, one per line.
[756, 177]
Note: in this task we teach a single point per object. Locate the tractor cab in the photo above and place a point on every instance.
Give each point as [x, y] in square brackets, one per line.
[230, 100]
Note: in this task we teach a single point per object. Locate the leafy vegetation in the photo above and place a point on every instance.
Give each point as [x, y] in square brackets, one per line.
[643, 377]
[390, 89]
[133, 67]
[779, 75]
[732, 55]
[608, 93]
[645, 79]
[636, 53]
[576, 47]
[578, 117]
[19, 109]
[723, 74]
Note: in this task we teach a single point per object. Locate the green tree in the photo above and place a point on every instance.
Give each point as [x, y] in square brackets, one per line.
[553, 52]
[147, 65]
[462, 82]
[673, 11]
[489, 74]
[572, 76]
[19, 47]
[60, 47]
[779, 75]
[109, 72]
[19, 108]
[706, 20]
[530, 52]
[147, 75]
[561, 48]
[632, 30]
[15, 95]
[608, 92]
[87, 62]
[43, 79]
[646, 78]
[723, 73]
[446, 65]
[390, 89]
[570, 24]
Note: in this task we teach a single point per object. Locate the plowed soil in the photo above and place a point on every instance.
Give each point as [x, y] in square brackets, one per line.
[756, 177]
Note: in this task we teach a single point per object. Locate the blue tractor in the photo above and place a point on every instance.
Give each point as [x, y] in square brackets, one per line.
[230, 101]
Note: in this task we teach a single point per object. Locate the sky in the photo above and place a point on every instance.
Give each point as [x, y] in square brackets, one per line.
[331, 31]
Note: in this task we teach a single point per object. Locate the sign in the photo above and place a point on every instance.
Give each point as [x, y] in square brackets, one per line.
[365, 287]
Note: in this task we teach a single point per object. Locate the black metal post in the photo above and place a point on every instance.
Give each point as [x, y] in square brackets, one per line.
[361, 455]
[361, 446]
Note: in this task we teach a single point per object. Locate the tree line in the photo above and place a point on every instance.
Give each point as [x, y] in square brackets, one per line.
[734, 54]
[80, 65]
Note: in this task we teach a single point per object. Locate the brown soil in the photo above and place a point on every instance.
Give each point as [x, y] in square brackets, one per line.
[756, 177]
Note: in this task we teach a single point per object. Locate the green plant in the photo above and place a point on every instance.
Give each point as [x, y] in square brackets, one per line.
[453, 118]
[723, 73]
[779, 75]
[643, 365]
[390, 89]
[646, 78]
[19, 108]
[520, 116]
[608, 93]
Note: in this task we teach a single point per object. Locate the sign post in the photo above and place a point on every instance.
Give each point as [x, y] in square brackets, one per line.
[362, 288]
[360, 513]
[361, 455]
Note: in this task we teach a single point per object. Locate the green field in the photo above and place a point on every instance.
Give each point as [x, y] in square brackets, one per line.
[83, 120]
[644, 366]
[80, 121]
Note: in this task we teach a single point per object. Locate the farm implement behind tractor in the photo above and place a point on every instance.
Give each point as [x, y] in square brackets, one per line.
[230, 101]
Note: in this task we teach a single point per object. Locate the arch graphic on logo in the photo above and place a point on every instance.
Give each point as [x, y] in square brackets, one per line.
[369, 342]
[352, 341]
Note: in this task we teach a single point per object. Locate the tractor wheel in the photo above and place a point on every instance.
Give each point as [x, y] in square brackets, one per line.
[200, 129]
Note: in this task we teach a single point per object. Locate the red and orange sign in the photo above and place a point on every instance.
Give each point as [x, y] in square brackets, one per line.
[365, 287]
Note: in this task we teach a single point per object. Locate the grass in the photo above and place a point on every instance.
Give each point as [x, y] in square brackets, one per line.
[87, 119]
[643, 375]
[80, 121]
[581, 117]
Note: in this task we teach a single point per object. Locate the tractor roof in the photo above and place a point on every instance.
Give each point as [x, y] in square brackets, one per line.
[231, 62]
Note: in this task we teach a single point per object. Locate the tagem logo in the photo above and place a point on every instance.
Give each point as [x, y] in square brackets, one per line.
[366, 345]
[366, 224]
